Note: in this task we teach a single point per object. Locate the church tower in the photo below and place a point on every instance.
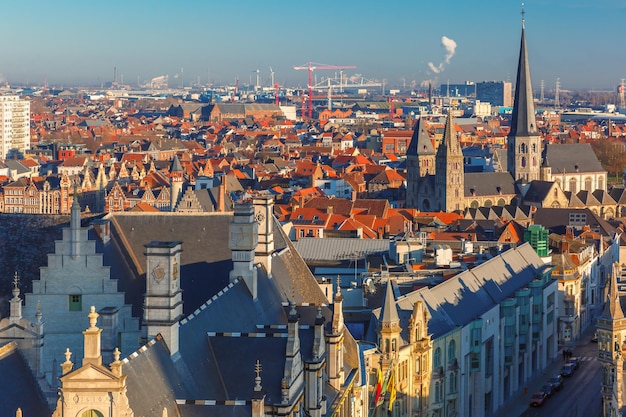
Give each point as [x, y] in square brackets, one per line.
[449, 175]
[389, 329]
[611, 350]
[176, 183]
[420, 161]
[523, 142]
[164, 300]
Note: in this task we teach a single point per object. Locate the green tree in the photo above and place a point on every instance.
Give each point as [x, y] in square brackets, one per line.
[612, 155]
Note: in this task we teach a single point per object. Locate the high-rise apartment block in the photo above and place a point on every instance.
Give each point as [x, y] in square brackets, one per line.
[14, 125]
[498, 93]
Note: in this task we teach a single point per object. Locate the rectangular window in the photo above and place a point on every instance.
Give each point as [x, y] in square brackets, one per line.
[76, 303]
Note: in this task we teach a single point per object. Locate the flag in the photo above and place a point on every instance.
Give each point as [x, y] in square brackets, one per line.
[383, 391]
[392, 391]
[379, 387]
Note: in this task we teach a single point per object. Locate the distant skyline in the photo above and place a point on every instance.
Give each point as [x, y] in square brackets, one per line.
[70, 42]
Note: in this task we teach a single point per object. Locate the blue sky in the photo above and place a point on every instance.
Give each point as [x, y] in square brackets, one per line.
[581, 42]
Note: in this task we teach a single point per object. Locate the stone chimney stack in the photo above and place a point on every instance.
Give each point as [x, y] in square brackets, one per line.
[264, 216]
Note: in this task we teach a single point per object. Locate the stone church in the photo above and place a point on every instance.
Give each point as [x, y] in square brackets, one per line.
[436, 180]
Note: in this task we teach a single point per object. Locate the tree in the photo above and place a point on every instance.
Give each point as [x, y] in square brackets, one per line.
[612, 155]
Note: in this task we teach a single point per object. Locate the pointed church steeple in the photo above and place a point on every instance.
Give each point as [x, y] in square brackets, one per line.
[389, 328]
[449, 175]
[420, 161]
[523, 142]
[523, 122]
[389, 313]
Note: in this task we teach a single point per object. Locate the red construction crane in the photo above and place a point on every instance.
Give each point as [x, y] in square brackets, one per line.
[310, 66]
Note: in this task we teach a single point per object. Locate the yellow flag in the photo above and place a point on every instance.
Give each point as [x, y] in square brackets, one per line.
[392, 390]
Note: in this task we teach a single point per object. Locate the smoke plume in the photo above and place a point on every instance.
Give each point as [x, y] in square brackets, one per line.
[450, 46]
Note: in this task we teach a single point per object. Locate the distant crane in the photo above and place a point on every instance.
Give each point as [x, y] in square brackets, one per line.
[310, 66]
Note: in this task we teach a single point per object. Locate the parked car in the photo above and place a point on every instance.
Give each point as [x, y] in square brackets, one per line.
[538, 399]
[567, 370]
[557, 382]
[547, 388]
[574, 361]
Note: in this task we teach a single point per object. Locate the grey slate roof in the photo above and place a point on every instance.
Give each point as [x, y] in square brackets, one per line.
[489, 183]
[152, 380]
[523, 122]
[538, 191]
[18, 390]
[330, 249]
[572, 157]
[465, 297]
[420, 141]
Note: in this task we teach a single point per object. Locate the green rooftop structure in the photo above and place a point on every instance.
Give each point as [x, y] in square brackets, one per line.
[537, 236]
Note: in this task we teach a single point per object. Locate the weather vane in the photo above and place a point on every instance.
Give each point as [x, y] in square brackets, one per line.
[523, 13]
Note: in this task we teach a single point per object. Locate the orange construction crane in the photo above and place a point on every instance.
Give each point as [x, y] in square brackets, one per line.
[310, 66]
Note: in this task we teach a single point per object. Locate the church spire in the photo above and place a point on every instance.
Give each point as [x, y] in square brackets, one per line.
[523, 123]
[389, 313]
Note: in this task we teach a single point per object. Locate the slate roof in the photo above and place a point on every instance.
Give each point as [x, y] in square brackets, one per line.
[556, 219]
[17, 390]
[572, 157]
[152, 380]
[205, 260]
[420, 141]
[538, 191]
[489, 183]
[326, 249]
[465, 297]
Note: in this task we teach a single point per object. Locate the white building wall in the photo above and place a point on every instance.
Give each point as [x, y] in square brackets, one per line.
[14, 125]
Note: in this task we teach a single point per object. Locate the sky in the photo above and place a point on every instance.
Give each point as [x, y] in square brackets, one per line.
[404, 42]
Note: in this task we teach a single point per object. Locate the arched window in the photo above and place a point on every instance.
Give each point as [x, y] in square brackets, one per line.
[572, 185]
[488, 203]
[534, 147]
[437, 358]
[501, 202]
[417, 331]
[523, 162]
[393, 345]
[588, 184]
[92, 413]
[600, 183]
[522, 148]
[451, 350]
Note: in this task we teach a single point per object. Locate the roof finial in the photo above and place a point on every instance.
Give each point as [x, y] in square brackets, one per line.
[16, 282]
[523, 13]
[257, 380]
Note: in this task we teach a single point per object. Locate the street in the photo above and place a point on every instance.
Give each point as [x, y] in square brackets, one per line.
[580, 396]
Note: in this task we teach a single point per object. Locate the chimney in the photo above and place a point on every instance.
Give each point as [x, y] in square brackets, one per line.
[329, 209]
[564, 245]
